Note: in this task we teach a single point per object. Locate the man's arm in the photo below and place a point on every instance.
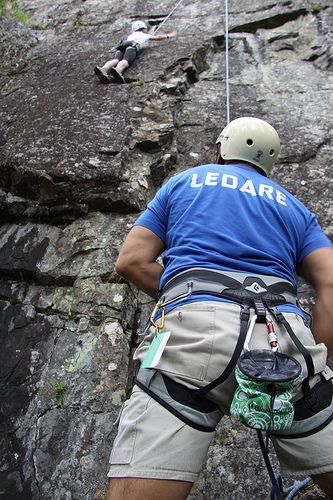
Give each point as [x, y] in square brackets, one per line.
[137, 260]
[317, 268]
[163, 37]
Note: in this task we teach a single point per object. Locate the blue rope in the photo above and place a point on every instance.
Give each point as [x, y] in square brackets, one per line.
[289, 493]
[298, 486]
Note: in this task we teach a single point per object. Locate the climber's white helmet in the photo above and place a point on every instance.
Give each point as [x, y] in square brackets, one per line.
[139, 25]
[252, 140]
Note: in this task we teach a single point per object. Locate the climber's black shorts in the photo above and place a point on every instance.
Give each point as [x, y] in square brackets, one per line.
[126, 51]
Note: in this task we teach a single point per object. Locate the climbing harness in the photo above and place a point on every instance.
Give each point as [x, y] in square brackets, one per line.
[277, 372]
[190, 405]
[125, 45]
[168, 16]
[237, 287]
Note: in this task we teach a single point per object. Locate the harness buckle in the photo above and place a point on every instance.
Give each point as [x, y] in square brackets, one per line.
[260, 310]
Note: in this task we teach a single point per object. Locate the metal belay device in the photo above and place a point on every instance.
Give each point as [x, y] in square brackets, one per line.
[266, 379]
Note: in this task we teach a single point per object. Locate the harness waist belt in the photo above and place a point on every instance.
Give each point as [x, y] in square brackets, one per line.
[239, 287]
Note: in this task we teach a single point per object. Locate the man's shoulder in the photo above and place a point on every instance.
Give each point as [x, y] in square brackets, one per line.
[297, 202]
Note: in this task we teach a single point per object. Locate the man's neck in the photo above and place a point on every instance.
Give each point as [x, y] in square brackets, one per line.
[239, 162]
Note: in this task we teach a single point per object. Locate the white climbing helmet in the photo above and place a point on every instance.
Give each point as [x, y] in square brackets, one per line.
[139, 25]
[252, 140]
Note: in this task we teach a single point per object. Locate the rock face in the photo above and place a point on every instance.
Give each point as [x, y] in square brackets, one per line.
[79, 160]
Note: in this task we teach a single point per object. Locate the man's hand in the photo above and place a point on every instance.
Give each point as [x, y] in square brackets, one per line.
[317, 268]
[137, 260]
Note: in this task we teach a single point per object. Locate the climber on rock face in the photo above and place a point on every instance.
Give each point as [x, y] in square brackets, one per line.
[231, 241]
[126, 53]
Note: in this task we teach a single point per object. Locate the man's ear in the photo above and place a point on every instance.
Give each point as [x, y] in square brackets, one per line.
[218, 157]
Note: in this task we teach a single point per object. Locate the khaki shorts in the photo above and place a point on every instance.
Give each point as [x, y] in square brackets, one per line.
[153, 443]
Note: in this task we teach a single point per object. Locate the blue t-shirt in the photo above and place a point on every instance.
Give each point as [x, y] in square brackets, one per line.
[231, 218]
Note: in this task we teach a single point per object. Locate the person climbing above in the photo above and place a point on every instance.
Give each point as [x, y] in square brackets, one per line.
[127, 51]
[232, 241]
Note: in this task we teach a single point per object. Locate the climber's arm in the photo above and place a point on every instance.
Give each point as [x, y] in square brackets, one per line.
[137, 260]
[317, 268]
[163, 37]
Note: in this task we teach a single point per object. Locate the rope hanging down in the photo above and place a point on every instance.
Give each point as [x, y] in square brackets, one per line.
[167, 17]
[226, 48]
[227, 60]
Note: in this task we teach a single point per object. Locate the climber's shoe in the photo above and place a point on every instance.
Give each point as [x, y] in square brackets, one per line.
[118, 77]
[102, 74]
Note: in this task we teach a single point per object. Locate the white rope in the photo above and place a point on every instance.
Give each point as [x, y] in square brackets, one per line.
[227, 60]
[226, 49]
[167, 17]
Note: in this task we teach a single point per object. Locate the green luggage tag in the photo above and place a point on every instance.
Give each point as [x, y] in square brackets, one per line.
[155, 350]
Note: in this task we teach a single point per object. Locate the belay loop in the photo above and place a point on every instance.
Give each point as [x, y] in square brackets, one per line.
[265, 383]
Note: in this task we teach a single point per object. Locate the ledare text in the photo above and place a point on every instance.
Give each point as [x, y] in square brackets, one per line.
[232, 182]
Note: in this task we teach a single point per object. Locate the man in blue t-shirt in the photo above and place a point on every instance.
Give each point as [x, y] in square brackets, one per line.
[228, 236]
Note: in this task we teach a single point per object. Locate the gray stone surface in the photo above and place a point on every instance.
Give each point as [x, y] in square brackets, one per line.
[79, 160]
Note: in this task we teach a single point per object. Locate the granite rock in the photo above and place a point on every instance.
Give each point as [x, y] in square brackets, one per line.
[80, 160]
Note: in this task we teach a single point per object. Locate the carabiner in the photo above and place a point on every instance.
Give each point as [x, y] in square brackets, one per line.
[159, 326]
